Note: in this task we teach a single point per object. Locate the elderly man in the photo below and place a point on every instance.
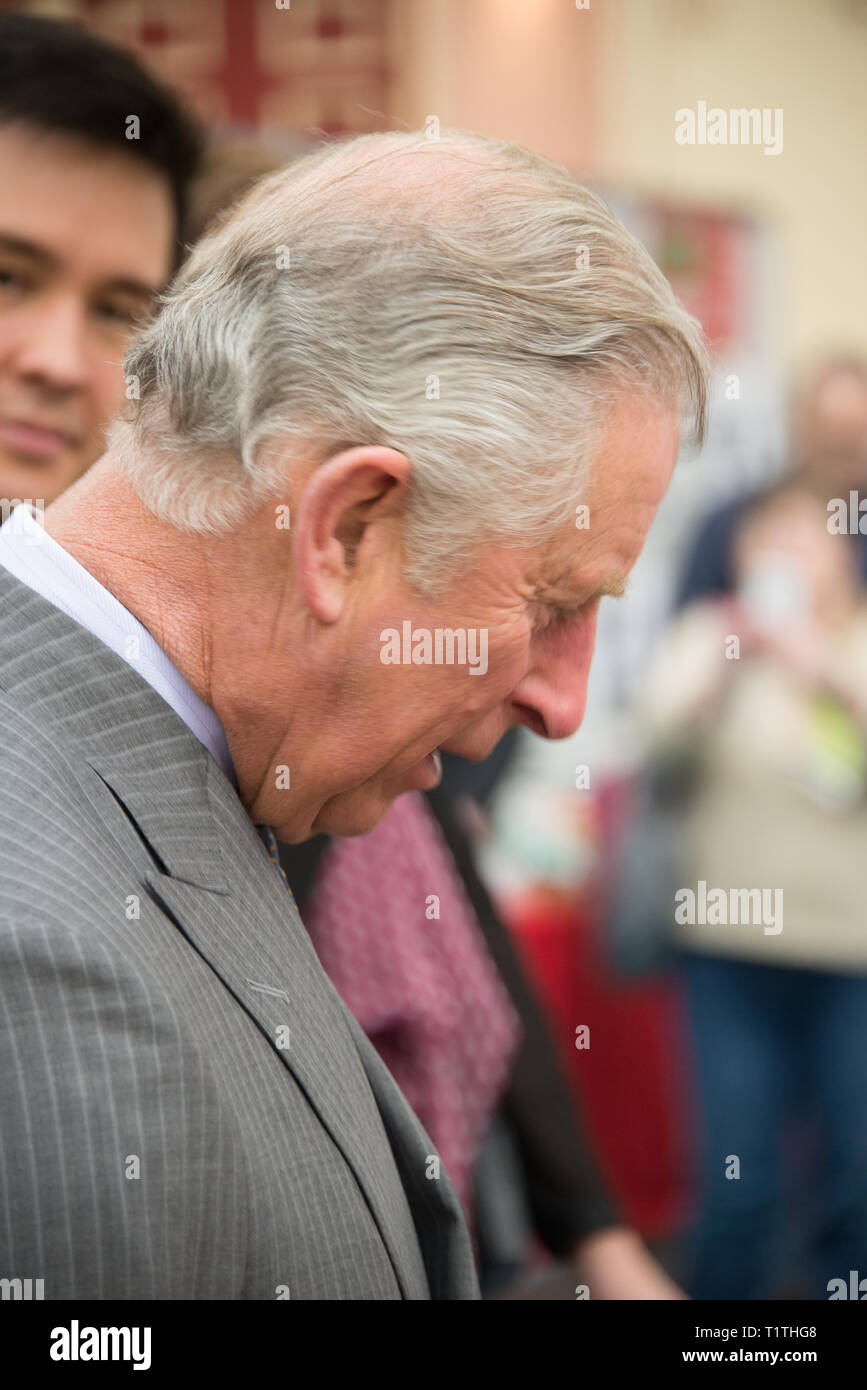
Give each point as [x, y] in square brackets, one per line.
[376, 402]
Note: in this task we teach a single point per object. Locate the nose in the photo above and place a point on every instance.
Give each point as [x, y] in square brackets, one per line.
[550, 699]
[52, 347]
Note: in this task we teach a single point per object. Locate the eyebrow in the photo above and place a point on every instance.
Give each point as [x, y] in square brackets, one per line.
[613, 587]
[21, 246]
[609, 586]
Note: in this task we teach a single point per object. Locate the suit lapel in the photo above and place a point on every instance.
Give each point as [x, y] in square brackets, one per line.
[211, 873]
[230, 902]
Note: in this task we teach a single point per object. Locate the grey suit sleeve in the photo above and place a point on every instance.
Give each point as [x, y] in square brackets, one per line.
[120, 1176]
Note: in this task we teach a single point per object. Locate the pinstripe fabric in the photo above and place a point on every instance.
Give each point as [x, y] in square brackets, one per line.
[187, 1110]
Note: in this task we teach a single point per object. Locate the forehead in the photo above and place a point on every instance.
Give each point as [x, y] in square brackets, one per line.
[103, 214]
[598, 546]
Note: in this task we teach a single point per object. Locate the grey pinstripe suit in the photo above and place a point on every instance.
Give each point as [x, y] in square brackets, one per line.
[267, 1159]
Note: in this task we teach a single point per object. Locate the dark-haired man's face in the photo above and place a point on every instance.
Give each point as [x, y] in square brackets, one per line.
[86, 243]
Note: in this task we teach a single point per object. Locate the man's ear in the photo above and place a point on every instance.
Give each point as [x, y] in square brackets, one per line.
[341, 498]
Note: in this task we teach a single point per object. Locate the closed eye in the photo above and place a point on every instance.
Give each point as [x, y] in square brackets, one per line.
[552, 616]
[562, 616]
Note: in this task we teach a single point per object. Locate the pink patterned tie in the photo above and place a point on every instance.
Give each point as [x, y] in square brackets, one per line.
[397, 935]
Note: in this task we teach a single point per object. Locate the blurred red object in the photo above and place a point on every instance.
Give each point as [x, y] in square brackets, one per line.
[629, 1083]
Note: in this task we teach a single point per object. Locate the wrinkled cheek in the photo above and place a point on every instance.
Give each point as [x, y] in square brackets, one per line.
[505, 663]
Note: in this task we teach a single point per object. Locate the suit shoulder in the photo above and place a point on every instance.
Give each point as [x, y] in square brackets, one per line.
[53, 832]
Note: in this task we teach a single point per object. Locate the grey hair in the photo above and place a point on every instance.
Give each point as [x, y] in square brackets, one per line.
[481, 323]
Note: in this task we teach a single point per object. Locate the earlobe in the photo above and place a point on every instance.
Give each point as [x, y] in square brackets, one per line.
[343, 497]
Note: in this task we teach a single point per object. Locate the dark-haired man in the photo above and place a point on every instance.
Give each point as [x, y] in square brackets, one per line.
[95, 162]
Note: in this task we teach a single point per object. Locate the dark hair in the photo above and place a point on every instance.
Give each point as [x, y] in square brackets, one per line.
[61, 78]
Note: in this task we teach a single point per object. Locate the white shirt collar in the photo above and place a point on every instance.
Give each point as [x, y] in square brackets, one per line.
[32, 556]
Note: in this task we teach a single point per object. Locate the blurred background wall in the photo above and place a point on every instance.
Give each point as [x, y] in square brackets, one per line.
[598, 88]
[594, 87]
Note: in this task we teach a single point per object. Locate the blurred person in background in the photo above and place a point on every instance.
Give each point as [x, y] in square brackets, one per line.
[96, 159]
[764, 694]
[828, 457]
